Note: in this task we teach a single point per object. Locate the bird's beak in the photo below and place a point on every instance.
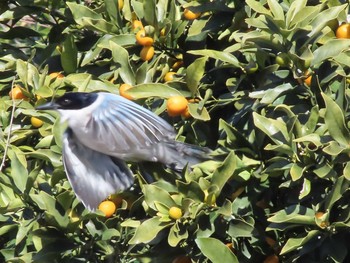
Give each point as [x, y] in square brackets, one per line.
[47, 106]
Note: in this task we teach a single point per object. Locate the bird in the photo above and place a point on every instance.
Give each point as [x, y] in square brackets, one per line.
[104, 132]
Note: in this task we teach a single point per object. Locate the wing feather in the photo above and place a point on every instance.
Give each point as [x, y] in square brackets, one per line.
[93, 175]
[127, 126]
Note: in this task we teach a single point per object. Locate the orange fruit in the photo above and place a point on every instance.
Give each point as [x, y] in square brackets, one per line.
[107, 207]
[186, 114]
[189, 15]
[175, 212]
[147, 53]
[123, 91]
[230, 246]
[142, 39]
[318, 215]
[322, 224]
[177, 64]
[271, 259]
[17, 93]
[169, 76]
[36, 122]
[120, 4]
[182, 259]
[137, 25]
[56, 75]
[343, 31]
[308, 80]
[176, 105]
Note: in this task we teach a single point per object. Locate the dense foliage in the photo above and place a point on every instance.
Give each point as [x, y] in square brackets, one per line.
[268, 88]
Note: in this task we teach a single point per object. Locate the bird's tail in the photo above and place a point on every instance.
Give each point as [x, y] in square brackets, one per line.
[177, 155]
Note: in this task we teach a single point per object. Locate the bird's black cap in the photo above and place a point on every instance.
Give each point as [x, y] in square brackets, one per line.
[70, 101]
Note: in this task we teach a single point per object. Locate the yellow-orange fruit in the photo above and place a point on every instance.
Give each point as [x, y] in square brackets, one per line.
[120, 4]
[176, 105]
[175, 213]
[308, 80]
[36, 122]
[137, 25]
[17, 93]
[142, 39]
[56, 75]
[147, 53]
[189, 15]
[123, 91]
[343, 31]
[107, 207]
[169, 76]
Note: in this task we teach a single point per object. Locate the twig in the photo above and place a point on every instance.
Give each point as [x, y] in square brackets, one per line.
[10, 128]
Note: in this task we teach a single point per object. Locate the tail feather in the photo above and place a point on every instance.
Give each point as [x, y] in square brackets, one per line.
[177, 155]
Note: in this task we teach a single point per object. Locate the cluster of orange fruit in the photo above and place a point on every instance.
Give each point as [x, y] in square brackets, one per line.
[143, 39]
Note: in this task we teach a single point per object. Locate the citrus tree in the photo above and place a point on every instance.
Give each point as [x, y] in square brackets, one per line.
[264, 83]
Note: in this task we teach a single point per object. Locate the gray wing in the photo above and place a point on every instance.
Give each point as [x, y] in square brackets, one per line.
[93, 175]
[127, 126]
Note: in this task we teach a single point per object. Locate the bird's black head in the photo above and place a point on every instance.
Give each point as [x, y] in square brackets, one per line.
[70, 101]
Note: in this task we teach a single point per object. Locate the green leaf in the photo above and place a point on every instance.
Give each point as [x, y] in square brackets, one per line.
[144, 91]
[148, 231]
[346, 171]
[292, 15]
[270, 95]
[191, 190]
[19, 171]
[224, 172]
[89, 19]
[340, 186]
[69, 54]
[335, 121]
[28, 74]
[324, 17]
[275, 129]
[155, 194]
[296, 171]
[194, 74]
[258, 7]
[218, 55]
[121, 55]
[294, 214]
[177, 234]
[276, 9]
[296, 243]
[23, 230]
[215, 250]
[113, 10]
[305, 191]
[241, 228]
[197, 112]
[86, 83]
[329, 50]
[150, 10]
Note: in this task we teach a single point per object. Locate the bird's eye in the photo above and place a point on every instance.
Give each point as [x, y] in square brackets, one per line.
[66, 102]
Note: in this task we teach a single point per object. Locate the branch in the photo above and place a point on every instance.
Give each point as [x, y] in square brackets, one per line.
[10, 128]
